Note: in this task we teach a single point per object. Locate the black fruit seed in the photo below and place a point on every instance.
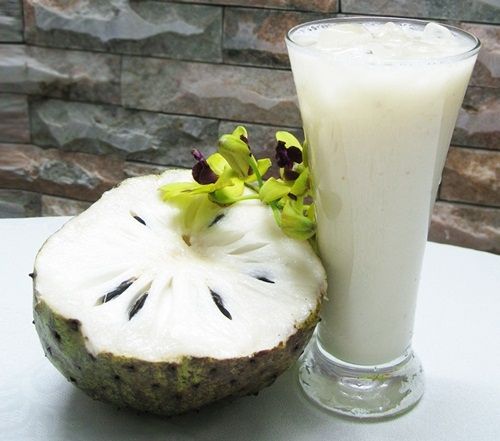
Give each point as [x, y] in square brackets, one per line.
[187, 239]
[117, 291]
[264, 279]
[140, 220]
[220, 304]
[136, 307]
[216, 219]
[56, 335]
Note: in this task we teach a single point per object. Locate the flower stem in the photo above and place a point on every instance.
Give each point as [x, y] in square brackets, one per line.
[247, 197]
[276, 213]
[253, 164]
[251, 187]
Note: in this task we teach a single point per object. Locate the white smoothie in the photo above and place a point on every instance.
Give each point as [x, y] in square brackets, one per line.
[378, 104]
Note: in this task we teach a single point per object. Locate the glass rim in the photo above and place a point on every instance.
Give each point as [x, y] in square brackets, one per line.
[367, 18]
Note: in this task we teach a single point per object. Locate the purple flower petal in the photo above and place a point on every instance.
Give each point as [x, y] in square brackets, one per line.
[203, 174]
[201, 171]
[197, 155]
[282, 158]
[290, 175]
[295, 154]
[285, 157]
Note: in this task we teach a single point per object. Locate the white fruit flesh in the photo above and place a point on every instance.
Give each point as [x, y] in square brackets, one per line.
[105, 246]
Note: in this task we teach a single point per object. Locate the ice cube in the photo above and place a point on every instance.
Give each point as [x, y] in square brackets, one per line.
[390, 35]
[389, 29]
[343, 36]
[412, 32]
[304, 38]
[436, 34]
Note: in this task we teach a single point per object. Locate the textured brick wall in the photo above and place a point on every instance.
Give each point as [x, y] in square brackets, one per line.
[92, 92]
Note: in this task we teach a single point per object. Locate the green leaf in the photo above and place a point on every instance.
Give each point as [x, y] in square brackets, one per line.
[273, 190]
[301, 184]
[226, 178]
[229, 194]
[236, 153]
[288, 139]
[174, 189]
[197, 212]
[184, 189]
[311, 213]
[177, 190]
[240, 131]
[217, 163]
[263, 166]
[295, 224]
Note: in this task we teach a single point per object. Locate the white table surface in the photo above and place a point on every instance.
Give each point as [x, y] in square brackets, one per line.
[457, 337]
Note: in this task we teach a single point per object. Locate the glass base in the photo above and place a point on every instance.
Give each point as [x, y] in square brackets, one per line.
[361, 391]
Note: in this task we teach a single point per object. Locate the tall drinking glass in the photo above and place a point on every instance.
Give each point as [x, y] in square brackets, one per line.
[379, 98]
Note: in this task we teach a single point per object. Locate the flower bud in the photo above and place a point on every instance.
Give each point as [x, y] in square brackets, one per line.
[236, 152]
[295, 224]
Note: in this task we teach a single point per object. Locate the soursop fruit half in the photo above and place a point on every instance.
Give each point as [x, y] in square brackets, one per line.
[137, 311]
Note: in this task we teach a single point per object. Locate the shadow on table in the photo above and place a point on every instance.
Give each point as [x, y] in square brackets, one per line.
[249, 418]
[278, 413]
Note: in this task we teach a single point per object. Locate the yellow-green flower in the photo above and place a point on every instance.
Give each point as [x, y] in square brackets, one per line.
[234, 148]
[233, 174]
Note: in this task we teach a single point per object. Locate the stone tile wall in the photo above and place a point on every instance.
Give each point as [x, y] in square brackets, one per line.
[92, 92]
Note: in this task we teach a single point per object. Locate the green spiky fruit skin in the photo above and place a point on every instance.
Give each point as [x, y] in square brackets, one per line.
[162, 388]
